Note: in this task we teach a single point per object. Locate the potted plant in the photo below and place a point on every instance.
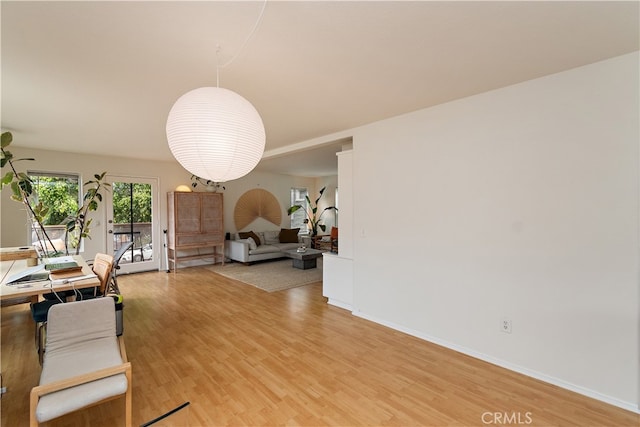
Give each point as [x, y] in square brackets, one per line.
[208, 184]
[76, 225]
[313, 217]
[22, 191]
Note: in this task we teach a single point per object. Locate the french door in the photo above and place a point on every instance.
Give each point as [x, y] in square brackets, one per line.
[132, 216]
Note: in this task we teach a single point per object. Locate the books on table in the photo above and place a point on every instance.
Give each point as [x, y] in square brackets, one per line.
[64, 267]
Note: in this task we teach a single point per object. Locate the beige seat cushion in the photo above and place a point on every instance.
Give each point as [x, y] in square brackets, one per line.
[81, 338]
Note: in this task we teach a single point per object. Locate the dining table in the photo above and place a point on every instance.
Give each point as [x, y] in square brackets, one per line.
[9, 269]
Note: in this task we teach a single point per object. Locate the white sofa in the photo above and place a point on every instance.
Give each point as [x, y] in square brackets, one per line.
[272, 244]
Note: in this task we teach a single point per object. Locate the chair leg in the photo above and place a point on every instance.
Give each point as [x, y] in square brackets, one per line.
[42, 331]
[113, 286]
[36, 334]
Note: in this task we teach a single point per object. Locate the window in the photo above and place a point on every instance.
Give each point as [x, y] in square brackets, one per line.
[60, 193]
[298, 218]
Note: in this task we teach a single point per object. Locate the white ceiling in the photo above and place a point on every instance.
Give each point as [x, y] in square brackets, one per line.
[101, 77]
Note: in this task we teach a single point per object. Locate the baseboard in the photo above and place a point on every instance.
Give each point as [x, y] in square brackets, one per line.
[507, 365]
[339, 304]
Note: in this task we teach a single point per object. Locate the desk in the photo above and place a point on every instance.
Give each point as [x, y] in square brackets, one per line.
[35, 289]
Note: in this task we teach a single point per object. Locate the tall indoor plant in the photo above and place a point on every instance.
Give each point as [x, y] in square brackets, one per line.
[207, 183]
[22, 191]
[313, 217]
[77, 224]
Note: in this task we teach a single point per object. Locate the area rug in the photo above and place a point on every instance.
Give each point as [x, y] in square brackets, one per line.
[270, 276]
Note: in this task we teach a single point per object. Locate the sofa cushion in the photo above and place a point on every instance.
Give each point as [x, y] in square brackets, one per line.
[80, 359]
[271, 237]
[254, 236]
[264, 249]
[287, 246]
[289, 235]
[252, 243]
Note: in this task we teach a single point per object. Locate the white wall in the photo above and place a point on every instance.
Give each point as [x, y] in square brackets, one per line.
[280, 186]
[345, 216]
[519, 203]
[328, 199]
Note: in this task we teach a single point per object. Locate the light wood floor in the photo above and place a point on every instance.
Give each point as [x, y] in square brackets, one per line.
[245, 357]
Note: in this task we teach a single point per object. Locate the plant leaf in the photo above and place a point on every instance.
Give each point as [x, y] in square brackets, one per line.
[6, 157]
[7, 178]
[7, 137]
[320, 196]
[25, 185]
[293, 209]
[15, 188]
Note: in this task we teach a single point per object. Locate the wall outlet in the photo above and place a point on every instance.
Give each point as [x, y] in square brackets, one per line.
[505, 325]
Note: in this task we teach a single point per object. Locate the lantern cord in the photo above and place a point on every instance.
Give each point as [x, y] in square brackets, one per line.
[255, 28]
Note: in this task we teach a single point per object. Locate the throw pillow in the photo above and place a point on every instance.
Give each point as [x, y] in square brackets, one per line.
[254, 236]
[271, 237]
[289, 235]
[252, 243]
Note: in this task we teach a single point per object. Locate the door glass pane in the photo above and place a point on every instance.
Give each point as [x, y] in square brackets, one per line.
[299, 217]
[132, 220]
[60, 193]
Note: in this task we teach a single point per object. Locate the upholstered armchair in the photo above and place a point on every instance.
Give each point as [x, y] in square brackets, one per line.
[85, 363]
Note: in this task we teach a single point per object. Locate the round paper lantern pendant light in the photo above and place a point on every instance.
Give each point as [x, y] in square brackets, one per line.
[215, 134]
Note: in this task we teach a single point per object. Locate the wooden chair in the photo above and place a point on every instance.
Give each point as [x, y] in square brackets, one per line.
[321, 242]
[102, 265]
[85, 363]
[334, 239]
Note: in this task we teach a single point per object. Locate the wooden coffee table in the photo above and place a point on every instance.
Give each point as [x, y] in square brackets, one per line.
[304, 260]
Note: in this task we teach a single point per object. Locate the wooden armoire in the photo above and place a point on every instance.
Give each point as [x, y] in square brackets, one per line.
[195, 227]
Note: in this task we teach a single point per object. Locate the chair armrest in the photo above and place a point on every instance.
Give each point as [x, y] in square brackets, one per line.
[123, 351]
[41, 390]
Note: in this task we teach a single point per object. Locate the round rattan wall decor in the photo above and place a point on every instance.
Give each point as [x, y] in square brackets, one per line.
[254, 204]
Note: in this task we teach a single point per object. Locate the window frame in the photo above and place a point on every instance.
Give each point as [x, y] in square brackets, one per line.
[295, 222]
[58, 229]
